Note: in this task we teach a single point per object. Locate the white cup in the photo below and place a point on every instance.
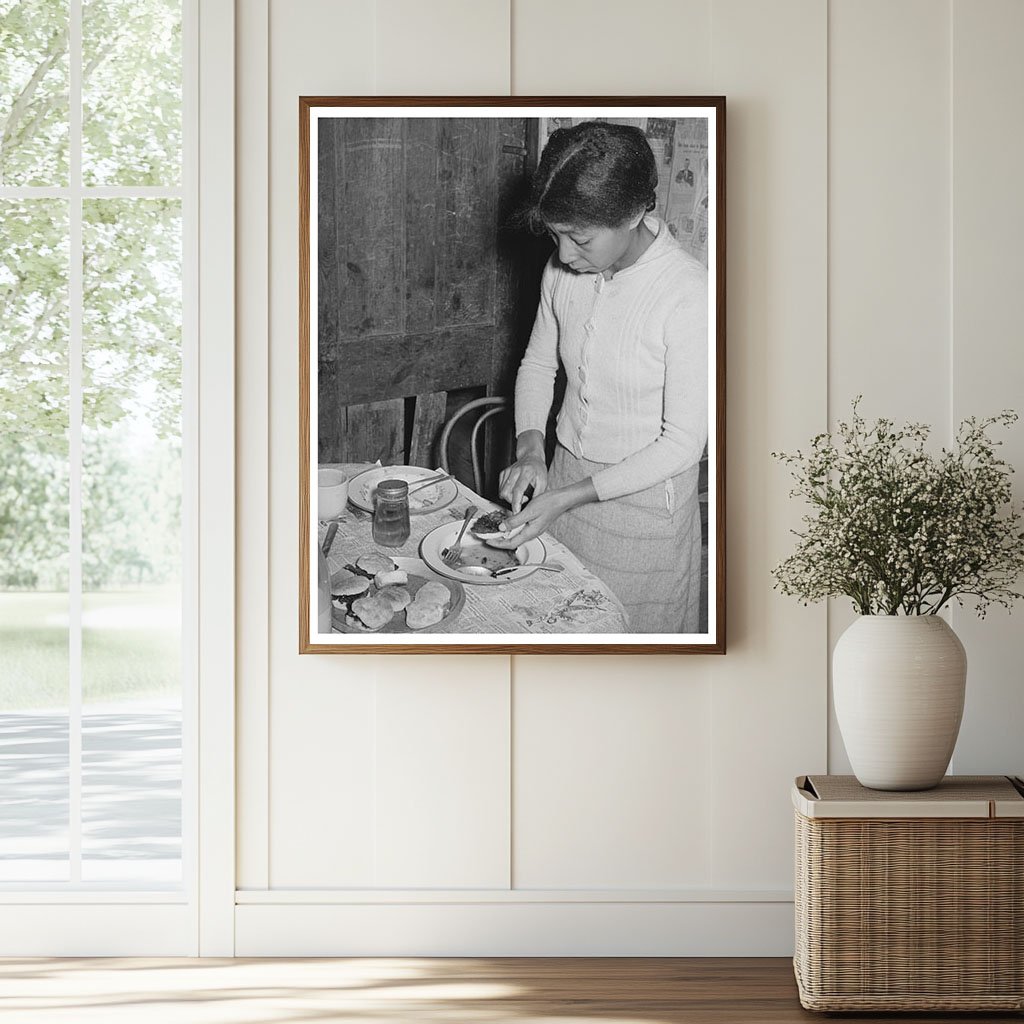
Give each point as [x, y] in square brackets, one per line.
[332, 493]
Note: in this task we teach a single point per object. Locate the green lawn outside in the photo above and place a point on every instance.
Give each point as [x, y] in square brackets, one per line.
[130, 647]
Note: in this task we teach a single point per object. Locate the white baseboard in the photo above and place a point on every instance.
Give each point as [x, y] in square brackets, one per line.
[99, 928]
[514, 928]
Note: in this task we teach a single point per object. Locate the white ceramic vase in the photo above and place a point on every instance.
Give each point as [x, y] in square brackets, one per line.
[898, 685]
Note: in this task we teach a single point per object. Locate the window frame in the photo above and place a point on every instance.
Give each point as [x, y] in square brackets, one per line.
[92, 918]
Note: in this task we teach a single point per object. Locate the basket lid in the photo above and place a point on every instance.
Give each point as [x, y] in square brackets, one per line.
[957, 796]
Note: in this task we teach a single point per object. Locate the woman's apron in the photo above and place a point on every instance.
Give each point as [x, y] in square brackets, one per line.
[646, 546]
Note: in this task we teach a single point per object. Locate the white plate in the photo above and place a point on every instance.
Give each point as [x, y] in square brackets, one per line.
[363, 487]
[444, 536]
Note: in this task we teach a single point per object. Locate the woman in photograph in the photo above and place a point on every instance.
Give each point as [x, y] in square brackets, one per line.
[623, 309]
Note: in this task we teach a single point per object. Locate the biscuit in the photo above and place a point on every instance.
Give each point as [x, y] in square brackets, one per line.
[423, 613]
[345, 584]
[386, 579]
[375, 562]
[433, 592]
[398, 596]
[374, 612]
[489, 523]
[489, 526]
[428, 606]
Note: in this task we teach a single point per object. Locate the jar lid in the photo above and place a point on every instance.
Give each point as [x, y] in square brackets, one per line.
[393, 488]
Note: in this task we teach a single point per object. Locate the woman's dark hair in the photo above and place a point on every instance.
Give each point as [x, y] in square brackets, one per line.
[595, 173]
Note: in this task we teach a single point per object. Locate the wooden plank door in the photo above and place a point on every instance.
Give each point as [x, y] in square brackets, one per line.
[421, 285]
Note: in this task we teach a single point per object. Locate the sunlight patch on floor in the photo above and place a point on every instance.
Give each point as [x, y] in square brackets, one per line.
[218, 991]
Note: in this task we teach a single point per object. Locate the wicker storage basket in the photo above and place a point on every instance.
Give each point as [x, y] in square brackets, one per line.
[910, 901]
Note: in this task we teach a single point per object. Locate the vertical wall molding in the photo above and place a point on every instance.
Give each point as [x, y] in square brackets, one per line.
[216, 478]
[253, 387]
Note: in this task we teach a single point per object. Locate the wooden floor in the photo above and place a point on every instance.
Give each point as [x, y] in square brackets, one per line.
[414, 991]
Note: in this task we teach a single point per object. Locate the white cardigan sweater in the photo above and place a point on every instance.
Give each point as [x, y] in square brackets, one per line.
[635, 351]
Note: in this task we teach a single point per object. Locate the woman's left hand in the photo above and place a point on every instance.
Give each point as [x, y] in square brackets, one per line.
[538, 514]
[544, 509]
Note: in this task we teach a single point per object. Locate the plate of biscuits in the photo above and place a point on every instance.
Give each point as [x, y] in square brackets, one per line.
[380, 594]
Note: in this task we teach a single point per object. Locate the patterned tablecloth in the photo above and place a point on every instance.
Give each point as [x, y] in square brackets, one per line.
[573, 601]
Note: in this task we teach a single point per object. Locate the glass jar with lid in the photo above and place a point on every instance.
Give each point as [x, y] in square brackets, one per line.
[391, 513]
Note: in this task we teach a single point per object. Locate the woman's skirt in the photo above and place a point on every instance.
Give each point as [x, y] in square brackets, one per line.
[646, 546]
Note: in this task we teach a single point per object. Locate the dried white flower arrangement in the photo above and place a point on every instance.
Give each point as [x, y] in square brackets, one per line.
[899, 530]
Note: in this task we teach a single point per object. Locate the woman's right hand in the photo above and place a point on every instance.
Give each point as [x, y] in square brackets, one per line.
[529, 470]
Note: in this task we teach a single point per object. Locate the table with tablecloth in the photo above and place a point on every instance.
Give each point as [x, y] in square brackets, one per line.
[572, 601]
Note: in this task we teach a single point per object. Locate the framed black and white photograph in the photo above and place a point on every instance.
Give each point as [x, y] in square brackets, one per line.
[512, 376]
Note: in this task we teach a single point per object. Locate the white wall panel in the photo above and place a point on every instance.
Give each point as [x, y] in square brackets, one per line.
[889, 209]
[442, 48]
[889, 246]
[612, 784]
[768, 693]
[988, 335]
[323, 776]
[442, 774]
[579, 48]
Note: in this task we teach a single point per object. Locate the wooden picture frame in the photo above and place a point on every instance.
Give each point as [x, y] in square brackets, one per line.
[416, 296]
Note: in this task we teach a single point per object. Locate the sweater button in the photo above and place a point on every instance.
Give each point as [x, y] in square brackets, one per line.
[589, 325]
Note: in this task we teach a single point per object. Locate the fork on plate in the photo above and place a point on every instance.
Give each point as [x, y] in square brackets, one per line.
[430, 481]
[450, 556]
